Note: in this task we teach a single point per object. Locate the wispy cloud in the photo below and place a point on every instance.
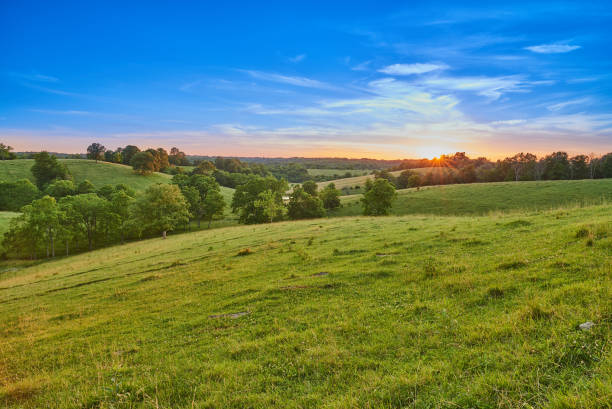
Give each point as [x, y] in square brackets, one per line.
[409, 69]
[62, 112]
[291, 80]
[35, 77]
[552, 48]
[364, 66]
[297, 58]
[559, 106]
[190, 85]
[490, 87]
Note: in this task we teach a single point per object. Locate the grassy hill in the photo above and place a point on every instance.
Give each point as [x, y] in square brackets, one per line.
[409, 311]
[358, 181]
[100, 174]
[482, 198]
[332, 172]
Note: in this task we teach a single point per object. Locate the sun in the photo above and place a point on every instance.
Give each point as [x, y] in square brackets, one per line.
[431, 151]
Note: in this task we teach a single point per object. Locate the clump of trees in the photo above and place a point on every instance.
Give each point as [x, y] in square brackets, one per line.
[203, 195]
[5, 152]
[378, 197]
[47, 169]
[260, 200]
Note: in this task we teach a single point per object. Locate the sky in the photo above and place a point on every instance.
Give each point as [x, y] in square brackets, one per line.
[349, 79]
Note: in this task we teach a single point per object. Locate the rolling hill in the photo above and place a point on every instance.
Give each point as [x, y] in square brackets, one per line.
[483, 198]
[401, 311]
[100, 174]
[352, 183]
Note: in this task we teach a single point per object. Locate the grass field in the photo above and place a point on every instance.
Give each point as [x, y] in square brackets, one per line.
[99, 174]
[482, 198]
[351, 184]
[340, 172]
[411, 311]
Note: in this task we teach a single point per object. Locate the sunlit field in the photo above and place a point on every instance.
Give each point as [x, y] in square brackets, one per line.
[411, 311]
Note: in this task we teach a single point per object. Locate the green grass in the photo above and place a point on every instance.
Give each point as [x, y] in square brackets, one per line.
[359, 181]
[100, 174]
[340, 172]
[403, 311]
[482, 198]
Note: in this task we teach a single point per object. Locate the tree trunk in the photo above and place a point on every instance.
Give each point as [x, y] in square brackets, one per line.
[199, 221]
[164, 234]
[52, 246]
[209, 221]
[67, 247]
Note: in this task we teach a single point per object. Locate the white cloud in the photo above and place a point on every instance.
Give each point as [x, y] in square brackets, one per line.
[491, 87]
[409, 69]
[559, 106]
[364, 66]
[35, 77]
[552, 48]
[285, 79]
[297, 58]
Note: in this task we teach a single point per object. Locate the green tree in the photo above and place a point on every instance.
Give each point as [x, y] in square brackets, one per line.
[61, 188]
[203, 195]
[88, 211]
[162, 208]
[96, 151]
[45, 217]
[46, 169]
[268, 205]
[17, 194]
[120, 204]
[579, 167]
[557, 166]
[85, 187]
[5, 152]
[246, 194]
[378, 197]
[127, 154]
[408, 179]
[143, 163]
[330, 197]
[303, 205]
[205, 167]
[310, 187]
[385, 174]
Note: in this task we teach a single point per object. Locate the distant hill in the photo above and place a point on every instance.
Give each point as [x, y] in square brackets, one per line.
[483, 198]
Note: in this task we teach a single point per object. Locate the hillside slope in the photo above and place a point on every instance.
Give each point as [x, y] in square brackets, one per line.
[482, 198]
[404, 311]
[360, 180]
[100, 174]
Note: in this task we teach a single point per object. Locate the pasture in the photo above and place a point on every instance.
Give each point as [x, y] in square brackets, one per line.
[401, 311]
[483, 198]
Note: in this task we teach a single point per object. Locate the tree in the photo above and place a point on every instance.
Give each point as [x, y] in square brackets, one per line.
[303, 205]
[310, 187]
[87, 211]
[385, 174]
[61, 188]
[579, 166]
[408, 179]
[46, 168]
[605, 166]
[96, 151]
[203, 195]
[5, 152]
[120, 204]
[45, 219]
[268, 205]
[249, 192]
[162, 208]
[330, 197]
[205, 167]
[17, 194]
[177, 157]
[378, 197]
[127, 154]
[85, 187]
[556, 166]
[143, 163]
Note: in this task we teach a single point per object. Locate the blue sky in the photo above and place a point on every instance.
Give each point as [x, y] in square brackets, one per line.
[356, 79]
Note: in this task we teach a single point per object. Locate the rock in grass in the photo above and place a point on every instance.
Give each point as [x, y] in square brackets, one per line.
[586, 325]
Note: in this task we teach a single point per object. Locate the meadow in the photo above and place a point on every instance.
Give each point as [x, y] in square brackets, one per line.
[483, 198]
[100, 174]
[402, 311]
[339, 172]
[355, 183]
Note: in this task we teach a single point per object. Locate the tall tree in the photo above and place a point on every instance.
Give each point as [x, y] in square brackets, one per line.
[87, 210]
[5, 152]
[330, 197]
[47, 168]
[269, 206]
[161, 208]
[17, 194]
[96, 151]
[143, 163]
[303, 205]
[378, 197]
[127, 154]
[248, 193]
